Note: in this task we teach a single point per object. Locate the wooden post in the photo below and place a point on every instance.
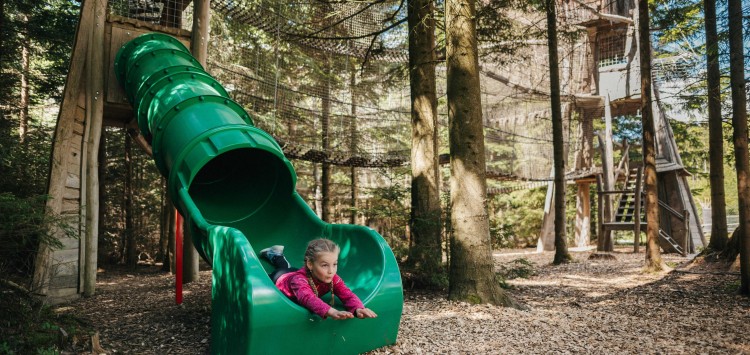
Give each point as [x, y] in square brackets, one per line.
[94, 118]
[605, 205]
[546, 240]
[686, 242]
[583, 196]
[199, 41]
[199, 49]
[583, 215]
[600, 212]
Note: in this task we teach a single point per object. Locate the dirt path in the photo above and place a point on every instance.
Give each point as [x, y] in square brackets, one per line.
[585, 307]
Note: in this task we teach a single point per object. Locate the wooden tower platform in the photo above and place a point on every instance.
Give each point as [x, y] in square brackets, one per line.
[92, 99]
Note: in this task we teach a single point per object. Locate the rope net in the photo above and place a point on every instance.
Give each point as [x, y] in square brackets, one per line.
[329, 79]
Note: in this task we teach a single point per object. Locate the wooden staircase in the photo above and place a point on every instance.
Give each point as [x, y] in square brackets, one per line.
[630, 212]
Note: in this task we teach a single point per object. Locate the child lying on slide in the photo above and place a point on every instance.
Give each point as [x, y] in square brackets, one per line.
[318, 276]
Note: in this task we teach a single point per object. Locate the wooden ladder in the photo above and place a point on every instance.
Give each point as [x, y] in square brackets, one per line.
[627, 216]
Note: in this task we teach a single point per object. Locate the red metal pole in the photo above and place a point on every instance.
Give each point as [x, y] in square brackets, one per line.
[178, 257]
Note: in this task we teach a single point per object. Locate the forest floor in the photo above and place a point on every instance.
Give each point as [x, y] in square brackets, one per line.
[587, 306]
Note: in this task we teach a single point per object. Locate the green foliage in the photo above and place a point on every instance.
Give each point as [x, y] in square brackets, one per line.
[147, 194]
[517, 218]
[388, 211]
[25, 166]
[23, 225]
[48, 28]
[518, 268]
[30, 327]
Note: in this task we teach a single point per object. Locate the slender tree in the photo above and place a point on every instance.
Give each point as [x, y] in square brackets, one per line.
[653, 254]
[715, 132]
[471, 274]
[354, 188]
[25, 61]
[325, 117]
[739, 137]
[425, 254]
[131, 258]
[561, 247]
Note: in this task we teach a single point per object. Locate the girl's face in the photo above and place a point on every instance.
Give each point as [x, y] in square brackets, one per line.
[325, 266]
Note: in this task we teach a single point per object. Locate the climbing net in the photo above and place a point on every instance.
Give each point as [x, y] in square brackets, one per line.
[329, 80]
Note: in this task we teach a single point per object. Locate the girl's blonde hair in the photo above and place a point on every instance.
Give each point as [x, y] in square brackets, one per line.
[320, 245]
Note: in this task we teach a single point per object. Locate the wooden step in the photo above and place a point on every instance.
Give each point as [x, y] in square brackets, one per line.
[622, 226]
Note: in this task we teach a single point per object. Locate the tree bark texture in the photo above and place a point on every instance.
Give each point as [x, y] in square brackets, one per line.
[561, 247]
[325, 117]
[653, 254]
[471, 275]
[739, 137]
[425, 254]
[719, 234]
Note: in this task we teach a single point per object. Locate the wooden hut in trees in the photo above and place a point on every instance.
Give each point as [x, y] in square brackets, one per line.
[612, 88]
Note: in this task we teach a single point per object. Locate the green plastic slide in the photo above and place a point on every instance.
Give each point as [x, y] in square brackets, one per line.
[233, 184]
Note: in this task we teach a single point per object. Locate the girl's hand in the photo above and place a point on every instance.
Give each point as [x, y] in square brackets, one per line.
[339, 315]
[365, 313]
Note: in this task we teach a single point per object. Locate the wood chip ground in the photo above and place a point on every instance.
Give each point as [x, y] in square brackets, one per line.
[586, 307]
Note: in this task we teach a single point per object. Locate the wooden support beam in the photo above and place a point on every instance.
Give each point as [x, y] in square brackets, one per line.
[94, 117]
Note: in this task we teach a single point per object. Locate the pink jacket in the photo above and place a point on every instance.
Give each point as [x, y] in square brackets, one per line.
[296, 286]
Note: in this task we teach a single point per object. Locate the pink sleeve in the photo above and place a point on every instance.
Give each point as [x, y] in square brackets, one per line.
[350, 300]
[305, 296]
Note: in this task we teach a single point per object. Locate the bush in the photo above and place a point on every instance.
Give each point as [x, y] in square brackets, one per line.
[24, 224]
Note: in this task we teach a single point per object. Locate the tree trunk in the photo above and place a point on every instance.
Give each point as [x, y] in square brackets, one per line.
[425, 254]
[653, 254]
[325, 117]
[472, 277]
[2, 40]
[739, 137]
[561, 246]
[131, 259]
[24, 109]
[715, 133]
[102, 166]
[172, 236]
[353, 145]
[2, 34]
[317, 193]
[166, 210]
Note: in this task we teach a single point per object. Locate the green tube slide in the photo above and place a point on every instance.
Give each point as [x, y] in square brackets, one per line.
[232, 183]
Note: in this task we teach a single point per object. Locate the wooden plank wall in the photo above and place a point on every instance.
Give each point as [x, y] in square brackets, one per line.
[56, 272]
